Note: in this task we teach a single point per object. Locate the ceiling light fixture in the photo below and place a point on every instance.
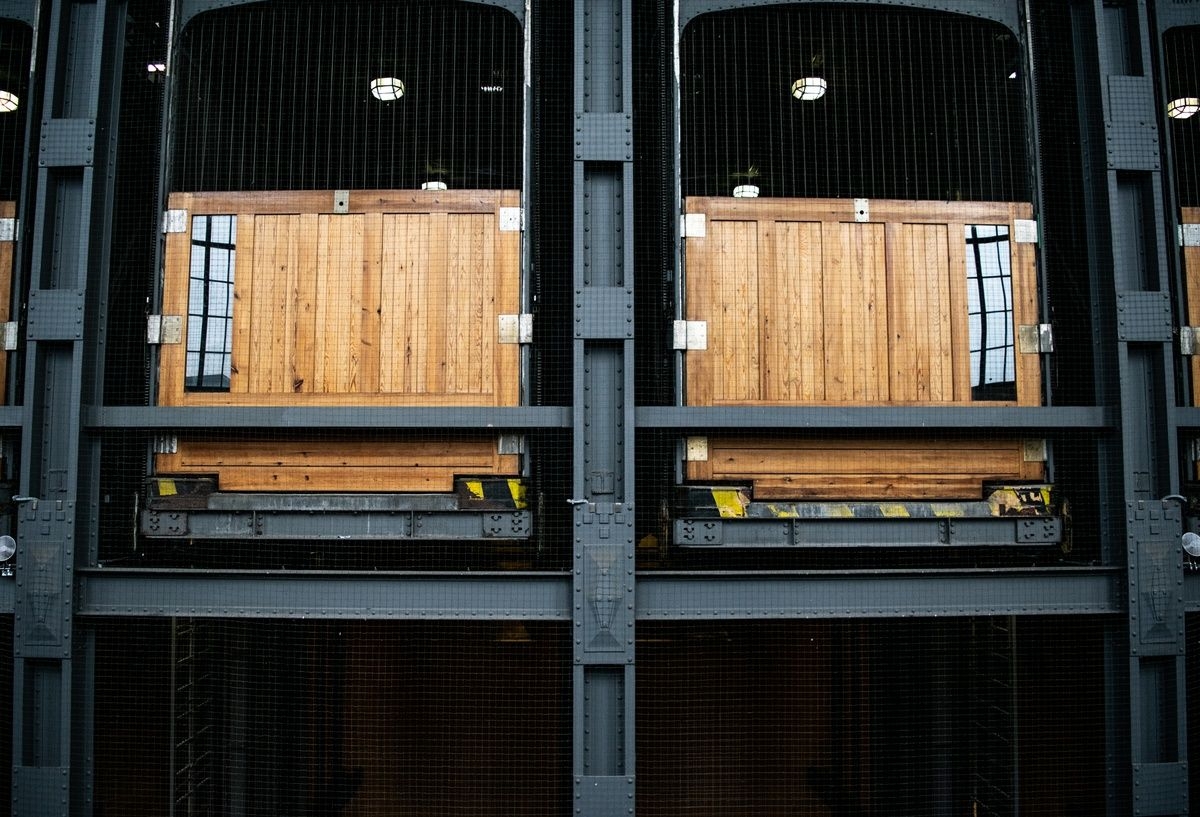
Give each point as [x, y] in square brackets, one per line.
[387, 89]
[434, 186]
[1184, 107]
[8, 102]
[156, 68]
[745, 191]
[807, 89]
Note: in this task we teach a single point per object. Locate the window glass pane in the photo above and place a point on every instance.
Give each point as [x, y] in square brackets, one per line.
[990, 332]
[210, 303]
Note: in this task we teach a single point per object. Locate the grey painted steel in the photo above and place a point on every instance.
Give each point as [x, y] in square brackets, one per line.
[1128, 256]
[602, 480]
[661, 596]
[1171, 13]
[294, 594]
[849, 417]
[893, 533]
[879, 594]
[12, 416]
[336, 527]
[7, 595]
[1007, 13]
[71, 223]
[1191, 589]
[187, 9]
[380, 417]
[23, 10]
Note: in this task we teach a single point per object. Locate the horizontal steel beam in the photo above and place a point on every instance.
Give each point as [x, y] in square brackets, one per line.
[1186, 416]
[339, 417]
[295, 594]
[892, 533]
[547, 596]
[1033, 419]
[882, 594]
[12, 416]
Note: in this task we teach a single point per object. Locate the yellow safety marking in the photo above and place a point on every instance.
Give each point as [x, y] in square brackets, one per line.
[729, 503]
[166, 487]
[783, 512]
[517, 489]
[476, 488]
[841, 512]
[894, 511]
[948, 511]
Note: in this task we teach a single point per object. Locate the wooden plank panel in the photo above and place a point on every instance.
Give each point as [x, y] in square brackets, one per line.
[437, 304]
[959, 333]
[1191, 266]
[338, 323]
[1025, 311]
[919, 314]
[793, 317]
[733, 311]
[8, 209]
[507, 262]
[855, 299]
[698, 306]
[305, 297]
[243, 299]
[469, 297]
[273, 304]
[172, 357]
[405, 309]
[370, 342]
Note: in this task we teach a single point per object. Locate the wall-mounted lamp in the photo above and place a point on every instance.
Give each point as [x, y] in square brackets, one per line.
[1184, 107]
[807, 89]
[387, 89]
[745, 191]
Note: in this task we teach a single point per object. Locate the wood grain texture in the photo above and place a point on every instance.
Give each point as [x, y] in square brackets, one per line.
[805, 305]
[395, 303]
[1191, 267]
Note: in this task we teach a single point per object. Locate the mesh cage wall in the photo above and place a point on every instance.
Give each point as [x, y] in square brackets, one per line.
[16, 43]
[319, 718]
[871, 717]
[1181, 71]
[916, 105]
[277, 97]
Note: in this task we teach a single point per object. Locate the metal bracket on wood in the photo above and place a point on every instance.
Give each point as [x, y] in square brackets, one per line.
[862, 210]
[512, 219]
[8, 229]
[1034, 339]
[692, 225]
[164, 329]
[690, 335]
[1025, 231]
[1189, 235]
[696, 449]
[175, 221]
[516, 328]
[12, 335]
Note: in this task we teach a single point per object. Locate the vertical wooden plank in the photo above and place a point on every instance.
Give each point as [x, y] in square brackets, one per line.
[273, 304]
[304, 310]
[176, 267]
[370, 275]
[468, 292]
[243, 298]
[793, 315]
[437, 303]
[698, 365]
[734, 317]
[404, 304]
[960, 344]
[919, 317]
[855, 299]
[8, 209]
[1025, 311]
[941, 349]
[338, 325]
[507, 357]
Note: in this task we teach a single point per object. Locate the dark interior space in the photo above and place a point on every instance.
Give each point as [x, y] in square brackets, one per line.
[871, 718]
[1181, 73]
[916, 105]
[332, 718]
[276, 96]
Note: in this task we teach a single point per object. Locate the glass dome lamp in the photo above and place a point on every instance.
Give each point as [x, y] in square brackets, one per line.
[387, 89]
[807, 89]
[1185, 107]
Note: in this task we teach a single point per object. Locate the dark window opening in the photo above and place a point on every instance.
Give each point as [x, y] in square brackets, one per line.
[210, 303]
[990, 313]
[278, 96]
[852, 101]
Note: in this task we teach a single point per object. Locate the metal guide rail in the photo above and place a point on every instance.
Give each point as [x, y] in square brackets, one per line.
[727, 516]
[192, 508]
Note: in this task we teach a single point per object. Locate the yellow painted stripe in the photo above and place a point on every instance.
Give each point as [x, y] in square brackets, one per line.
[783, 512]
[517, 489]
[476, 488]
[728, 503]
[894, 511]
[166, 487]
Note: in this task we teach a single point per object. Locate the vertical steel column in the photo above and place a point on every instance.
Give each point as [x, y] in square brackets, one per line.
[1123, 173]
[603, 394]
[71, 228]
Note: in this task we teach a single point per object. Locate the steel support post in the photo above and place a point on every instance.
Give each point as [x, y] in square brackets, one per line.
[1147, 768]
[70, 225]
[603, 418]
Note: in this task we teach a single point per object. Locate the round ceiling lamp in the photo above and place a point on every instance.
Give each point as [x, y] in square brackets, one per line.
[1185, 107]
[807, 89]
[387, 89]
[8, 102]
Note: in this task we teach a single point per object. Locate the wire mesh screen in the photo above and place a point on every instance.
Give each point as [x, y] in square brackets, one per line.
[294, 95]
[1181, 69]
[324, 718]
[871, 718]
[847, 101]
[16, 41]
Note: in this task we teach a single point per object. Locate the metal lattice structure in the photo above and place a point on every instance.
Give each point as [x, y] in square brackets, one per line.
[619, 587]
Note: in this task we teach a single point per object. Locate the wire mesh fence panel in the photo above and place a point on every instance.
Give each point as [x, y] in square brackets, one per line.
[276, 717]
